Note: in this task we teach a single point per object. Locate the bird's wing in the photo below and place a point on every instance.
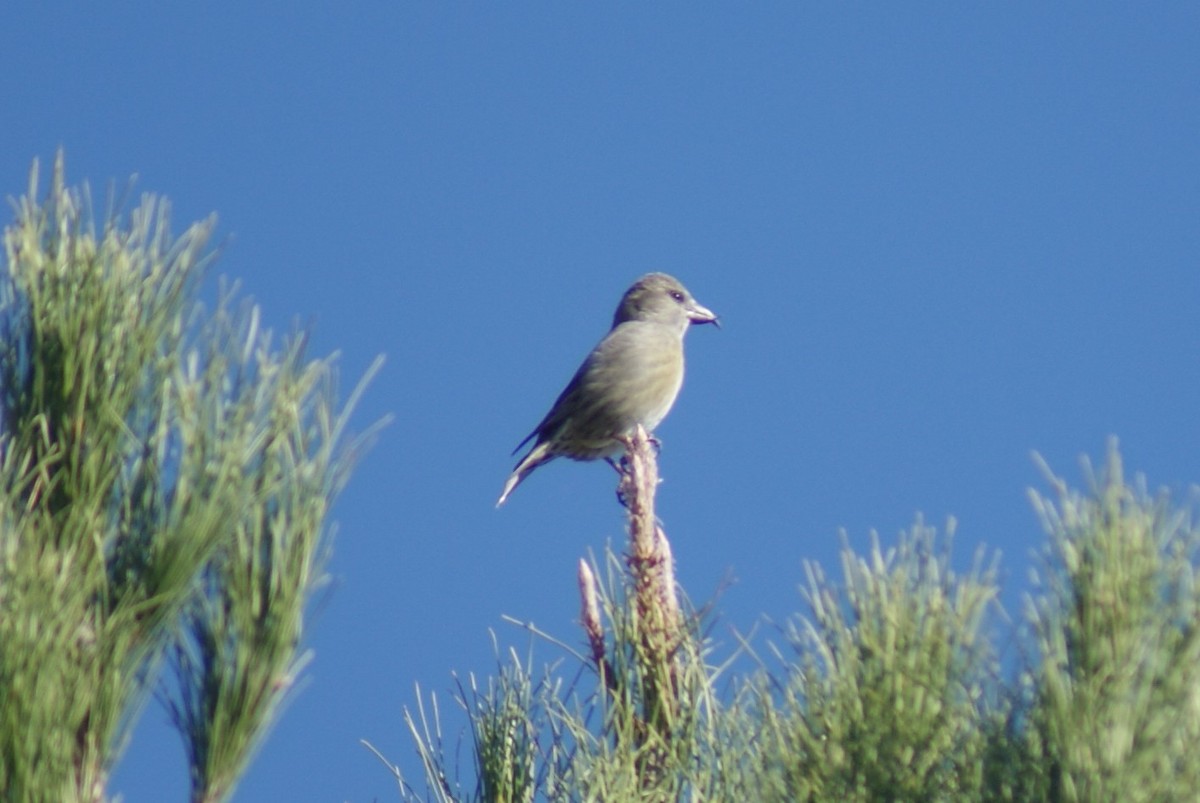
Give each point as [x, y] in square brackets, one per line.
[561, 409]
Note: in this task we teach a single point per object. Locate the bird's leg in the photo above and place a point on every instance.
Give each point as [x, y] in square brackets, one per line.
[622, 469]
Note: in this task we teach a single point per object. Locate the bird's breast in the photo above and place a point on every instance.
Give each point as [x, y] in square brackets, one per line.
[639, 374]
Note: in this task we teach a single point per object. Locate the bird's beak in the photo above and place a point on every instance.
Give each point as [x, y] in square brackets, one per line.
[699, 314]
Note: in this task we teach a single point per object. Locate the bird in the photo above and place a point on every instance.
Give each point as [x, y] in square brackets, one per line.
[631, 377]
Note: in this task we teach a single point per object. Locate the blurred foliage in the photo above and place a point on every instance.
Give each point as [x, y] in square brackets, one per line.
[887, 688]
[165, 474]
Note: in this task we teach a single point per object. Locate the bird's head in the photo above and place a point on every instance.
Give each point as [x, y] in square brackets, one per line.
[659, 298]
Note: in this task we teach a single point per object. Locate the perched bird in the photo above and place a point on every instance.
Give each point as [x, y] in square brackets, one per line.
[631, 377]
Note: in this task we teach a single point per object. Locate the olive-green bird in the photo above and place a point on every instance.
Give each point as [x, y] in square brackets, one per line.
[632, 377]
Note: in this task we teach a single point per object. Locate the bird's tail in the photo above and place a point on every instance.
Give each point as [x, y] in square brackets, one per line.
[510, 485]
[538, 455]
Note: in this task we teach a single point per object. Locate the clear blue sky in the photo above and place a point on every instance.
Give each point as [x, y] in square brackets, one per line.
[940, 237]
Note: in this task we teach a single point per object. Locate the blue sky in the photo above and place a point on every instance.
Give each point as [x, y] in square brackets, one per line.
[940, 236]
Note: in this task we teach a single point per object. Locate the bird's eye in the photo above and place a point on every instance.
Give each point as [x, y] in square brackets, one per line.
[678, 296]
